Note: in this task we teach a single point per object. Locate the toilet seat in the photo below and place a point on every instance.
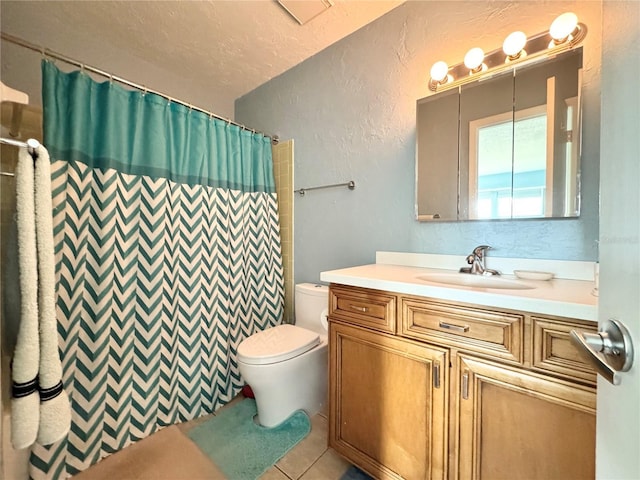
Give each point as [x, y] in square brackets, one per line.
[276, 344]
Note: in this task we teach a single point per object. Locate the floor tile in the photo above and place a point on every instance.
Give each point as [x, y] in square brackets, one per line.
[305, 453]
[274, 474]
[330, 466]
[324, 411]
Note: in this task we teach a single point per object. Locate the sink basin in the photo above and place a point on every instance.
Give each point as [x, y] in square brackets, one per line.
[470, 280]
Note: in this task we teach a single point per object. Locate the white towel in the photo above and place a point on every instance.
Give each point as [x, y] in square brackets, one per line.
[36, 364]
[25, 416]
[55, 411]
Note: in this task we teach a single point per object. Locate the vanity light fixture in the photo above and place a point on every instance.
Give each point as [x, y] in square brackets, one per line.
[564, 28]
[565, 33]
[513, 46]
[439, 74]
[474, 59]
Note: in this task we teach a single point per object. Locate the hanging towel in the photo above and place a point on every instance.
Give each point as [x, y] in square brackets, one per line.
[25, 400]
[55, 411]
[40, 406]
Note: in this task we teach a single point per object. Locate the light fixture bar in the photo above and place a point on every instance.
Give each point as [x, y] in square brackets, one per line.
[537, 47]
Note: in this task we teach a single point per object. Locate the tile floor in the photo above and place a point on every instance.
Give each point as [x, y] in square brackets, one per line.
[170, 454]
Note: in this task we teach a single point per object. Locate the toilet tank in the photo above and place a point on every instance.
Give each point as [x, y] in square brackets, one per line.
[311, 305]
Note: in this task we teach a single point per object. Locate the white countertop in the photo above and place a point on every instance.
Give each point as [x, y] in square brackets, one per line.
[559, 296]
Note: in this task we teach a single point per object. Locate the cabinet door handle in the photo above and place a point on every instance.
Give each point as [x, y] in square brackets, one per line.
[457, 328]
[465, 385]
[436, 374]
[359, 308]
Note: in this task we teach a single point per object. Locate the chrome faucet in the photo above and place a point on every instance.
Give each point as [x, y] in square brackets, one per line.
[477, 262]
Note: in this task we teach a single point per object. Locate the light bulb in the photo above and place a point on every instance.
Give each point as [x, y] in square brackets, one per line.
[473, 59]
[563, 26]
[439, 71]
[514, 44]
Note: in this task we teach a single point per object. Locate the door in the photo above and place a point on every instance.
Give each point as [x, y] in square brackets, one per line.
[388, 408]
[618, 417]
[513, 424]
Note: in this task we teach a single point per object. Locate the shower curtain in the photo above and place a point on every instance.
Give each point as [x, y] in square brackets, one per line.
[168, 255]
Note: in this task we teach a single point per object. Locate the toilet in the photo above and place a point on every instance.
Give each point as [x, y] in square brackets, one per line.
[286, 365]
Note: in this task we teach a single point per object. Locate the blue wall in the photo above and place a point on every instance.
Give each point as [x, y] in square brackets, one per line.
[351, 111]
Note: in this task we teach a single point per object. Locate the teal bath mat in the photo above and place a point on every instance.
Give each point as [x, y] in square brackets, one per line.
[242, 449]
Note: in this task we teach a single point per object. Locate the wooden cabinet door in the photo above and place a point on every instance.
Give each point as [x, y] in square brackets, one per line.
[389, 403]
[518, 425]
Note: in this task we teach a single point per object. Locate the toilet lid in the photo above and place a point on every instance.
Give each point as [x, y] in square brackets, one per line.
[276, 344]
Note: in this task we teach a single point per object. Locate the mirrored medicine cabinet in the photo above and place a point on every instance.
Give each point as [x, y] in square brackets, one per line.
[502, 147]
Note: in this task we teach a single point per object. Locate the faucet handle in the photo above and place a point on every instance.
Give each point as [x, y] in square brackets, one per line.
[480, 250]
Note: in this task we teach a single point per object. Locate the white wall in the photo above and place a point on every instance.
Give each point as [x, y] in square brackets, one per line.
[351, 110]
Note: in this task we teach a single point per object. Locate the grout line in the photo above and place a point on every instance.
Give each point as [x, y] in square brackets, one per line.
[316, 461]
[283, 473]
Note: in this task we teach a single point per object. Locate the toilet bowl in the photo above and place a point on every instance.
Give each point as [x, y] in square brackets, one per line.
[286, 365]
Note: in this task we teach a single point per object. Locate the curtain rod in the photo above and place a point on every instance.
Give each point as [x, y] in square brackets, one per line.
[49, 53]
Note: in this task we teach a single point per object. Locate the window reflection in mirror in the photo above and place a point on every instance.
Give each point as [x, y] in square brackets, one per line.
[553, 86]
[505, 183]
[486, 146]
[517, 152]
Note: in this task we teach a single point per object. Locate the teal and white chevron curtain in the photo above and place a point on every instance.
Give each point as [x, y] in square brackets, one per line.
[168, 256]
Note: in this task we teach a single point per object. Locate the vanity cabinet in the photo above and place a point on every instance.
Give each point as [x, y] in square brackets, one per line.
[389, 395]
[457, 390]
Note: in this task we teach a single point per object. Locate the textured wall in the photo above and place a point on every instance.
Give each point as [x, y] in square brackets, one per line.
[54, 25]
[204, 52]
[351, 110]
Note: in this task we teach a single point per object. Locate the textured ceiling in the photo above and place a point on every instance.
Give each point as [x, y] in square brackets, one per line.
[232, 46]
